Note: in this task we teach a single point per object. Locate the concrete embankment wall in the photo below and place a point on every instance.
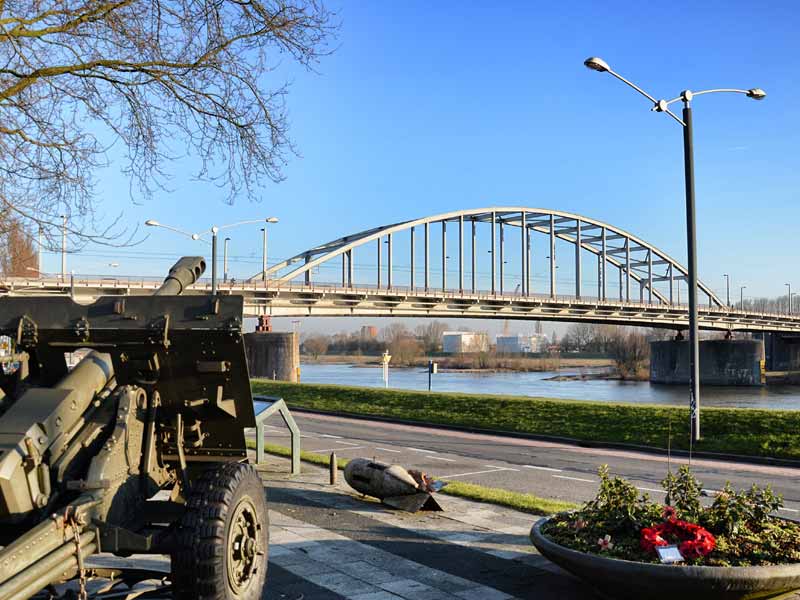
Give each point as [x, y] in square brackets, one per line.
[722, 362]
[273, 355]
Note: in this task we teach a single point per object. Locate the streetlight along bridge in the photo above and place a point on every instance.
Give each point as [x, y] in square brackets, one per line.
[505, 262]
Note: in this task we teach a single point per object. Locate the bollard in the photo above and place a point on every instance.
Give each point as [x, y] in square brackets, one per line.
[333, 468]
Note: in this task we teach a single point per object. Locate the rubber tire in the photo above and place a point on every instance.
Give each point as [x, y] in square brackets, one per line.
[199, 560]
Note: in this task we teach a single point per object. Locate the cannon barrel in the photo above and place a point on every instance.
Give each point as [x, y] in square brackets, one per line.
[182, 274]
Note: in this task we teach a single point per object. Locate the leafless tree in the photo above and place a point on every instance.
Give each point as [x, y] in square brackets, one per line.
[316, 345]
[157, 79]
[430, 334]
[18, 257]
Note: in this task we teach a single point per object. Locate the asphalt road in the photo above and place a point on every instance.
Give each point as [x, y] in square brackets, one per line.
[547, 469]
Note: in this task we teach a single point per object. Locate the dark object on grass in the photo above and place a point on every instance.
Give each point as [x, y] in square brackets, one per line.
[616, 579]
[395, 486]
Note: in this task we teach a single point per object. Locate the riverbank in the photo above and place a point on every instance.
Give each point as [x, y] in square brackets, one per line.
[746, 432]
[474, 363]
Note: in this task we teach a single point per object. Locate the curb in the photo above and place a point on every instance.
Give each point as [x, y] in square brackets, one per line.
[756, 460]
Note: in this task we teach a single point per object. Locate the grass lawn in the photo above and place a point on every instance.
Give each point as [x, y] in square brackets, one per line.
[767, 433]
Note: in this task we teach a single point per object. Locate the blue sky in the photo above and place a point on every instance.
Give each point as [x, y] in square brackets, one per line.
[431, 107]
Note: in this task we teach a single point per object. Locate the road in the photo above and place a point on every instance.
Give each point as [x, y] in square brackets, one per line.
[547, 469]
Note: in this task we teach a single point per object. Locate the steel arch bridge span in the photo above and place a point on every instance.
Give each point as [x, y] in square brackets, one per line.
[635, 262]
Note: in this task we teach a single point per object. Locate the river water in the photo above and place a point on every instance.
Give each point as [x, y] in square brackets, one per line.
[536, 384]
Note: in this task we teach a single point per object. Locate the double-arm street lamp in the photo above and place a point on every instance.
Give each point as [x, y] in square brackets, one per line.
[728, 289]
[214, 230]
[741, 296]
[789, 285]
[598, 64]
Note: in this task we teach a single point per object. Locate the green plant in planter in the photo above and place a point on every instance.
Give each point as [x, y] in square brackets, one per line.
[741, 522]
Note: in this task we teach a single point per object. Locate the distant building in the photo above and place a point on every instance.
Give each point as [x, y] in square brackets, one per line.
[369, 332]
[464, 342]
[521, 344]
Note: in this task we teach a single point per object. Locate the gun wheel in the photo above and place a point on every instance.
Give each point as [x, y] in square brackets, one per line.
[222, 539]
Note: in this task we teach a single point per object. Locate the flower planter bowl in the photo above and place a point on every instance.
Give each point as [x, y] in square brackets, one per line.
[627, 580]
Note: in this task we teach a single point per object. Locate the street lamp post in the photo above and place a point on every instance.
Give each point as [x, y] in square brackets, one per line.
[598, 64]
[741, 297]
[264, 250]
[63, 247]
[225, 259]
[789, 285]
[728, 289]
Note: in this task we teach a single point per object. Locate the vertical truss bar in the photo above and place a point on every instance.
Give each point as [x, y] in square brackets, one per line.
[308, 273]
[427, 256]
[641, 292]
[627, 270]
[599, 276]
[474, 255]
[380, 241]
[603, 261]
[411, 281]
[678, 291]
[528, 270]
[494, 220]
[671, 283]
[344, 269]
[502, 256]
[620, 283]
[578, 243]
[552, 256]
[461, 253]
[389, 262]
[649, 276]
[444, 256]
[523, 254]
[350, 268]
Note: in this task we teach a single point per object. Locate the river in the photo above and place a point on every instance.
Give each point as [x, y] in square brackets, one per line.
[536, 384]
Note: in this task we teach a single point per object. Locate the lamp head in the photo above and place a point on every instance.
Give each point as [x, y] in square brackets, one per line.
[272, 220]
[195, 237]
[756, 94]
[597, 64]
[152, 223]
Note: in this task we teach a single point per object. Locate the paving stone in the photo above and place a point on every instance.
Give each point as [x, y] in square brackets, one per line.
[343, 584]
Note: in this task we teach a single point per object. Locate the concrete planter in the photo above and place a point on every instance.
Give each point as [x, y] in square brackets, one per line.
[626, 580]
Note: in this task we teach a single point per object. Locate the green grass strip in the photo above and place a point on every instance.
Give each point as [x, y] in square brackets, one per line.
[522, 502]
[744, 431]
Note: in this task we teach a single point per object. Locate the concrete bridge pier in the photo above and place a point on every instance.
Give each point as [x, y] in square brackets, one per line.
[722, 362]
[782, 351]
[272, 354]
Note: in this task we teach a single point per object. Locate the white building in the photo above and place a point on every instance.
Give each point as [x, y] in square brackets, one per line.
[521, 344]
[464, 342]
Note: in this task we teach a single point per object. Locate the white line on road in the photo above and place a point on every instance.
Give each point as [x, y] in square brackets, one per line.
[644, 489]
[542, 468]
[791, 510]
[472, 473]
[328, 435]
[443, 458]
[421, 450]
[338, 449]
[347, 443]
[387, 450]
[574, 478]
[503, 468]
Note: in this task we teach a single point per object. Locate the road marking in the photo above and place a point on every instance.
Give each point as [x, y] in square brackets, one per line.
[791, 510]
[387, 450]
[327, 435]
[644, 489]
[338, 449]
[421, 450]
[542, 468]
[574, 478]
[472, 473]
[442, 458]
[348, 443]
[502, 468]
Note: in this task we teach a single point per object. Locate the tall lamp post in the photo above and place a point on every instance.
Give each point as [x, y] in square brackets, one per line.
[741, 296]
[63, 247]
[264, 250]
[789, 285]
[728, 289]
[598, 64]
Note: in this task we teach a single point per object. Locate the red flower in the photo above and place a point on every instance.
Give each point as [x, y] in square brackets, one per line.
[693, 541]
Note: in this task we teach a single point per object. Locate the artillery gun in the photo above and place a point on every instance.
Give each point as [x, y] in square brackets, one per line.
[140, 448]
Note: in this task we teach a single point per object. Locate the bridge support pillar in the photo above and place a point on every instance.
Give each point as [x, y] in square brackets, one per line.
[722, 362]
[782, 351]
[273, 355]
